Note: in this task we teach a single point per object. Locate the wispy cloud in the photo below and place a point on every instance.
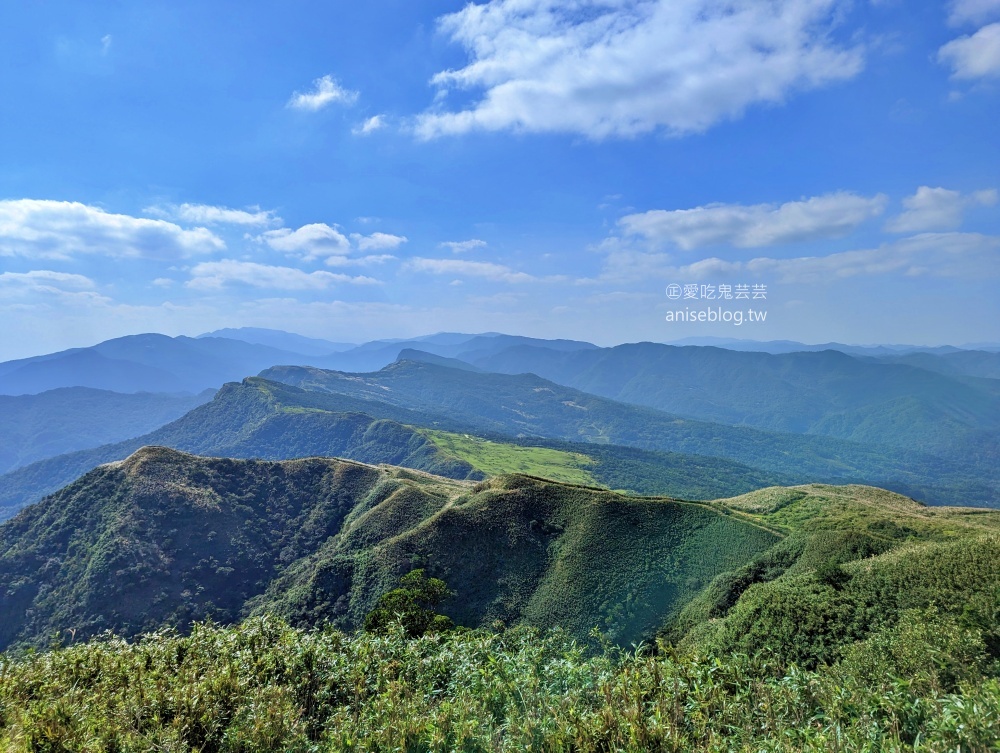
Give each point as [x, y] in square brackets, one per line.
[973, 11]
[463, 268]
[206, 214]
[372, 124]
[461, 247]
[606, 68]
[377, 241]
[44, 229]
[937, 209]
[219, 274]
[326, 91]
[756, 225]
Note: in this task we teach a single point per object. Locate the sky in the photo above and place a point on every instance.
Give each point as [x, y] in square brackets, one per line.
[608, 170]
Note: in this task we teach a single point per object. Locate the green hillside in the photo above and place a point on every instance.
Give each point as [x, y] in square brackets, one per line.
[164, 538]
[529, 406]
[799, 618]
[269, 420]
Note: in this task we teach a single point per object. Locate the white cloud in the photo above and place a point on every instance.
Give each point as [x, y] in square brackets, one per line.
[359, 261]
[623, 67]
[973, 57]
[218, 274]
[212, 215]
[756, 225]
[372, 124]
[929, 254]
[377, 241]
[44, 279]
[460, 247]
[326, 91]
[106, 44]
[937, 209]
[309, 241]
[486, 269]
[973, 11]
[39, 228]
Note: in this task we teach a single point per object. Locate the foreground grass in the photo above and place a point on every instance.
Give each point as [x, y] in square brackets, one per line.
[263, 686]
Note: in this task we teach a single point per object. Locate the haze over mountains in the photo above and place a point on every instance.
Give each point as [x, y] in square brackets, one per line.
[917, 423]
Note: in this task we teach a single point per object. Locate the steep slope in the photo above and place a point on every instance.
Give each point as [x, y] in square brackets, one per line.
[165, 537]
[53, 423]
[531, 406]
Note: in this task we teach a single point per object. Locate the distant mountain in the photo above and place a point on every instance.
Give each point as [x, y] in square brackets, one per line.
[164, 538]
[275, 338]
[53, 423]
[791, 346]
[527, 405]
[378, 354]
[828, 392]
[144, 363]
[157, 363]
[261, 419]
[975, 363]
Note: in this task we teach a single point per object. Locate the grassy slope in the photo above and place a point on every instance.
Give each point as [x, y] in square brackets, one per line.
[853, 560]
[526, 405]
[165, 537]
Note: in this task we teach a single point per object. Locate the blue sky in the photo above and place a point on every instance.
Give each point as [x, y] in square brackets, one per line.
[387, 169]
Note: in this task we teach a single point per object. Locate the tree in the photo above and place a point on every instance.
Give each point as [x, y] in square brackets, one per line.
[412, 605]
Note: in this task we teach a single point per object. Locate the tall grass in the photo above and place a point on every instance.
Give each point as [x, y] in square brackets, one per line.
[264, 686]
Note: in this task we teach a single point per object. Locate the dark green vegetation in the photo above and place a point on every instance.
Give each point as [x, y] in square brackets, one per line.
[266, 687]
[870, 623]
[529, 406]
[274, 421]
[164, 538]
[35, 427]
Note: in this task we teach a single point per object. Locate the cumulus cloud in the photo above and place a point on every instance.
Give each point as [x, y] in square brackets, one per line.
[206, 214]
[464, 268]
[218, 274]
[460, 247]
[372, 124]
[973, 57]
[827, 216]
[973, 11]
[377, 241]
[45, 229]
[309, 241]
[928, 254]
[937, 209]
[326, 91]
[606, 68]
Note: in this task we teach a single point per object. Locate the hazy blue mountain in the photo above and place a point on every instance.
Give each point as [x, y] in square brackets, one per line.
[974, 363]
[375, 355]
[827, 392]
[276, 338]
[144, 363]
[527, 405]
[53, 423]
[791, 346]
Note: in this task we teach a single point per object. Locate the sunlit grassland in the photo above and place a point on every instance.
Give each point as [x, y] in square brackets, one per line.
[496, 458]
